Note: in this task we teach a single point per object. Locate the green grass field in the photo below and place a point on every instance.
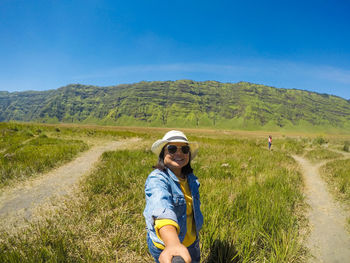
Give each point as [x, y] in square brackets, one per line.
[251, 198]
[25, 152]
[337, 175]
[319, 154]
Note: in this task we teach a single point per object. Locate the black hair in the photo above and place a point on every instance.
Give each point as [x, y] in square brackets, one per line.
[186, 170]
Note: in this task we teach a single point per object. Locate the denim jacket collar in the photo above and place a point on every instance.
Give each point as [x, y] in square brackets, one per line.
[172, 175]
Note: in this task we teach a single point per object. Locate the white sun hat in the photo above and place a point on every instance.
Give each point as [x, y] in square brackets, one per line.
[174, 136]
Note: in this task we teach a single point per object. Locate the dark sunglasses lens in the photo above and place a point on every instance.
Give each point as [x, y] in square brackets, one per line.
[185, 149]
[172, 148]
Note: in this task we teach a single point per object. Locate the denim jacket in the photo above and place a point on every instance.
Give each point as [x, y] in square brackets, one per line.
[165, 200]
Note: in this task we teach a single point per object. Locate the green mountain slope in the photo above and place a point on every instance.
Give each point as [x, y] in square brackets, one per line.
[182, 103]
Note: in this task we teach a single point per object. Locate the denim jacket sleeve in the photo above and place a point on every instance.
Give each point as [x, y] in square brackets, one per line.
[159, 203]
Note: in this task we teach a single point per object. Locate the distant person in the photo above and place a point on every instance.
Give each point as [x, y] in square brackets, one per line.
[172, 213]
[270, 142]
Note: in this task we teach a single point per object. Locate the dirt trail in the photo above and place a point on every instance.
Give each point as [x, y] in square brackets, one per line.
[20, 202]
[328, 241]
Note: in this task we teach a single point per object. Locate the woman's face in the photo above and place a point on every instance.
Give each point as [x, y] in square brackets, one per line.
[177, 160]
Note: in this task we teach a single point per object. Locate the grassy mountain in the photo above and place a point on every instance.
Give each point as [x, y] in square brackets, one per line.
[182, 103]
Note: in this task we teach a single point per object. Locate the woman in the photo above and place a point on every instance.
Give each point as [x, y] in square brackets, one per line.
[172, 211]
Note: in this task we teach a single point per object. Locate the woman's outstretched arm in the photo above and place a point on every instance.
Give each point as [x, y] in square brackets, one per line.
[173, 246]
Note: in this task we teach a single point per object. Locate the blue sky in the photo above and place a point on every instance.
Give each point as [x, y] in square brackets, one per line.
[46, 44]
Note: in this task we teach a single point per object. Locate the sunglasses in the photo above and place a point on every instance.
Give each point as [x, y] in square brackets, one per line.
[173, 149]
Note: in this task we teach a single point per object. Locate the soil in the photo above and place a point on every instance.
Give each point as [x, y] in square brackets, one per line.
[329, 240]
[17, 205]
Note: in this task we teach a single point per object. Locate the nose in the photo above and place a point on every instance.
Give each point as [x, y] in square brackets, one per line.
[178, 152]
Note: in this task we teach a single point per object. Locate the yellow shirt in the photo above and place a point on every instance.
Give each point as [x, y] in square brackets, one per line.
[190, 236]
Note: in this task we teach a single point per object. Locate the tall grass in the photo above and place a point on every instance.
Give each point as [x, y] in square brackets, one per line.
[12, 136]
[320, 154]
[291, 145]
[22, 157]
[251, 201]
[15, 129]
[338, 175]
[26, 149]
[104, 225]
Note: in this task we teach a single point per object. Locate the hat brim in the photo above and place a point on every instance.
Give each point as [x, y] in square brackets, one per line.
[159, 144]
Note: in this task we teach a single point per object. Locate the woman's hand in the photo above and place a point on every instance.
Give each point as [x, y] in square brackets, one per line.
[176, 250]
[173, 246]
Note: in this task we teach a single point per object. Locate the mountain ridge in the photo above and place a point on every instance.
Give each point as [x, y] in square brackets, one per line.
[181, 103]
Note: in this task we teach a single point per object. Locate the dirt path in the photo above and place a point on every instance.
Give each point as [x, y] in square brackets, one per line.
[328, 241]
[20, 202]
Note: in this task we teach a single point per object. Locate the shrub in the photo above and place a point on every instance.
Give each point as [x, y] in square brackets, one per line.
[320, 140]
